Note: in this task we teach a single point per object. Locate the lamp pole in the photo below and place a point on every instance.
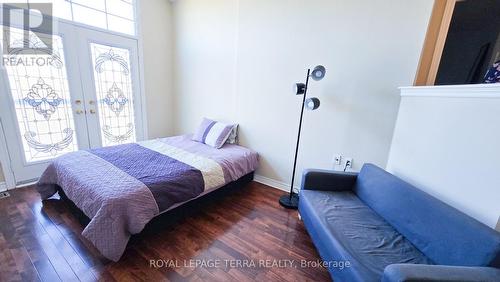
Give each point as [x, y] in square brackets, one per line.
[293, 201]
[300, 130]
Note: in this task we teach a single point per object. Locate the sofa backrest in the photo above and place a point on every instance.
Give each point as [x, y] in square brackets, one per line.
[444, 234]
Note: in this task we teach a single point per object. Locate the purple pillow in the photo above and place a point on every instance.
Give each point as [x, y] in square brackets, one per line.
[213, 133]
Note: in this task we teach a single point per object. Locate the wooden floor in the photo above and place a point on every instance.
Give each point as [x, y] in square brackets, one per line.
[243, 228]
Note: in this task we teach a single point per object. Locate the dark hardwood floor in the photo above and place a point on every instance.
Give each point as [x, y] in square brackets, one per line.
[237, 233]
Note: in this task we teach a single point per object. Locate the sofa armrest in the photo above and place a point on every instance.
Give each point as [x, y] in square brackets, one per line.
[422, 272]
[328, 180]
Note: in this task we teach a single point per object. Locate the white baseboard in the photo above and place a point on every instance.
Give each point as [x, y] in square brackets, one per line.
[274, 183]
[3, 186]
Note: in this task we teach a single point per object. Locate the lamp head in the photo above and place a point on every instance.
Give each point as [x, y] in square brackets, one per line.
[312, 103]
[318, 73]
[300, 88]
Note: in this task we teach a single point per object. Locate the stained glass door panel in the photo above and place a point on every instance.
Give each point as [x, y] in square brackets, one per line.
[114, 94]
[42, 107]
[41, 100]
[85, 94]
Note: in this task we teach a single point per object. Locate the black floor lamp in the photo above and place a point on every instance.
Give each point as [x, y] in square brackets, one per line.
[291, 200]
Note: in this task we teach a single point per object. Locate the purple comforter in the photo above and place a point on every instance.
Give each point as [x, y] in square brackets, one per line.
[121, 188]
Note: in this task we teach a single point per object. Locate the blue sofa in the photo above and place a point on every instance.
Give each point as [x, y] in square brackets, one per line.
[373, 226]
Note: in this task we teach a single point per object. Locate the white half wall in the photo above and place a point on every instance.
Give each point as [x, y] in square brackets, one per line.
[446, 142]
[238, 60]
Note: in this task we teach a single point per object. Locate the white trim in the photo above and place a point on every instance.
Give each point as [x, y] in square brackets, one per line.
[455, 91]
[7, 188]
[27, 184]
[3, 186]
[142, 81]
[10, 181]
[280, 185]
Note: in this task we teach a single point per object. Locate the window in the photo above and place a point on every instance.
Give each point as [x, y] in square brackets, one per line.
[114, 15]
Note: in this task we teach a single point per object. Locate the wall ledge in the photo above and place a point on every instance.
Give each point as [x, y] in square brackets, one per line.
[453, 91]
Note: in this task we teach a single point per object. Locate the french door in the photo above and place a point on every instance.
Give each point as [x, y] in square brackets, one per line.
[85, 94]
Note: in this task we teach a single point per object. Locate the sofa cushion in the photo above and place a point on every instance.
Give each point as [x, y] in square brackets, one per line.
[444, 234]
[344, 229]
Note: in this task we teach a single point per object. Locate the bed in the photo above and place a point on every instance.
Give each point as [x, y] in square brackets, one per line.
[121, 188]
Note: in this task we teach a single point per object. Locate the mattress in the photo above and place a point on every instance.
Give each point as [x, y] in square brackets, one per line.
[121, 188]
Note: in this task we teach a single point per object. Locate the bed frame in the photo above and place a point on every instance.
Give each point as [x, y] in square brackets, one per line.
[177, 211]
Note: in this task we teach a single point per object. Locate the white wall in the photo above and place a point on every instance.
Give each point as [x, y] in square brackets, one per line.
[449, 146]
[238, 60]
[156, 30]
[205, 61]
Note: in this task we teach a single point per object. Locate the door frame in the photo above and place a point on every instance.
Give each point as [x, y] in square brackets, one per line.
[5, 161]
[435, 39]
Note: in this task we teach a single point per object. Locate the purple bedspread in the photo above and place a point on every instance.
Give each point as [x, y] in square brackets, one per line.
[121, 188]
[181, 183]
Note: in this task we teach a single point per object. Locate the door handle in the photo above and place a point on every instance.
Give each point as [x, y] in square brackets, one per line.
[79, 112]
[91, 102]
[92, 111]
[78, 102]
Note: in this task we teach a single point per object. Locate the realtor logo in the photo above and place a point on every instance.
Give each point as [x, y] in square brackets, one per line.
[27, 28]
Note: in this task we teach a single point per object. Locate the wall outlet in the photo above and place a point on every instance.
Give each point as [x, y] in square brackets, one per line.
[337, 160]
[348, 164]
[341, 163]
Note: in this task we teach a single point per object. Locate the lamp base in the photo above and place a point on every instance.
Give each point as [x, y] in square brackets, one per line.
[290, 203]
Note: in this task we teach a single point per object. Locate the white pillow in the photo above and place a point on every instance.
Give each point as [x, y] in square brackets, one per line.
[213, 133]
